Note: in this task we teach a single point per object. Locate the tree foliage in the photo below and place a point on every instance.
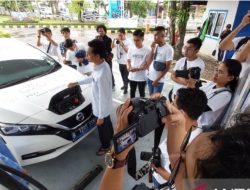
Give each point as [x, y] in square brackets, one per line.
[140, 7]
[77, 7]
[16, 5]
[178, 12]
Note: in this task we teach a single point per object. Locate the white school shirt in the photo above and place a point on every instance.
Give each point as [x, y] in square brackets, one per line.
[120, 52]
[198, 62]
[52, 49]
[164, 53]
[84, 68]
[216, 102]
[138, 57]
[101, 92]
[70, 55]
[165, 162]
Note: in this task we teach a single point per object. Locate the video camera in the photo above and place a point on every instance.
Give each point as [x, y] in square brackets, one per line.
[42, 30]
[155, 156]
[194, 72]
[117, 41]
[144, 118]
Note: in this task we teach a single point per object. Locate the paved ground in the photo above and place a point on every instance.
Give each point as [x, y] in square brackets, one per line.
[64, 171]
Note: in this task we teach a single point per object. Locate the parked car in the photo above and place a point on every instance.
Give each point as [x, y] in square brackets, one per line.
[40, 118]
[90, 14]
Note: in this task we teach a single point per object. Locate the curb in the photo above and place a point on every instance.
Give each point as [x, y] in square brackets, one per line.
[109, 30]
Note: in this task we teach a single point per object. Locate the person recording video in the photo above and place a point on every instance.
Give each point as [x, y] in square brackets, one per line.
[49, 46]
[184, 66]
[201, 159]
[122, 43]
[219, 91]
[192, 111]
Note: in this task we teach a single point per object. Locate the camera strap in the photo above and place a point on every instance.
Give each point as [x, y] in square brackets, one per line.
[48, 47]
[155, 53]
[185, 65]
[144, 170]
[131, 166]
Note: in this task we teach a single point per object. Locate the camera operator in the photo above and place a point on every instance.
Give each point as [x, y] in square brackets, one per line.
[203, 158]
[190, 60]
[50, 47]
[192, 110]
[122, 44]
[220, 91]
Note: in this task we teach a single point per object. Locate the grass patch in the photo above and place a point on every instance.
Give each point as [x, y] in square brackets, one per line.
[4, 18]
[4, 34]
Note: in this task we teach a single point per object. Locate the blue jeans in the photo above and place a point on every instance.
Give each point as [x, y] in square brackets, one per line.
[156, 183]
[153, 89]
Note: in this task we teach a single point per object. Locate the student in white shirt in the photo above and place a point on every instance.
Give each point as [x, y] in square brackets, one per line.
[192, 110]
[160, 59]
[101, 80]
[219, 92]
[82, 65]
[49, 46]
[190, 60]
[122, 43]
[241, 46]
[72, 47]
[137, 56]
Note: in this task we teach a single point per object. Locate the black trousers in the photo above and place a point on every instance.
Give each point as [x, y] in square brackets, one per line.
[113, 79]
[133, 85]
[106, 132]
[124, 74]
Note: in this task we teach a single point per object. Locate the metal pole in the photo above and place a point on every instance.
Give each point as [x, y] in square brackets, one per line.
[156, 12]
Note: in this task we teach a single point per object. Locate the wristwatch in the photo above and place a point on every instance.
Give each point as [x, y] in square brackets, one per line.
[112, 162]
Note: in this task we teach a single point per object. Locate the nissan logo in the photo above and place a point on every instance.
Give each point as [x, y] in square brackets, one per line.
[79, 116]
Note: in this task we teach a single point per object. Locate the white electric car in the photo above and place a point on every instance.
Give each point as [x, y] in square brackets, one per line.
[40, 118]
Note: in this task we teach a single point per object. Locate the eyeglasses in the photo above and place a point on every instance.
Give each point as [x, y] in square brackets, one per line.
[170, 182]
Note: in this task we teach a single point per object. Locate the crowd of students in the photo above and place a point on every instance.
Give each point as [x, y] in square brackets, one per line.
[192, 109]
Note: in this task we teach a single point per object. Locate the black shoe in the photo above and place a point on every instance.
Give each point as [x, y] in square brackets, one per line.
[125, 91]
[122, 88]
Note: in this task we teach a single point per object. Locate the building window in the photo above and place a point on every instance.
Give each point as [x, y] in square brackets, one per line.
[216, 21]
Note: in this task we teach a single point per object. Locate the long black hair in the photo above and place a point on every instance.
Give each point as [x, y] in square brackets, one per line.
[233, 69]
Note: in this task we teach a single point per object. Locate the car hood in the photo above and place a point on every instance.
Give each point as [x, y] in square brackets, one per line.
[28, 98]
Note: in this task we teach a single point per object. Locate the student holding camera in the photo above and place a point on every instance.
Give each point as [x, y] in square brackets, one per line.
[219, 92]
[122, 43]
[192, 111]
[222, 154]
[49, 46]
[182, 68]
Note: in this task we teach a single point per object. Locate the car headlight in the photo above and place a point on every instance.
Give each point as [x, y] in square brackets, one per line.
[24, 129]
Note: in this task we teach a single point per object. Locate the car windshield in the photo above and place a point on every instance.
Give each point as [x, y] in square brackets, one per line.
[17, 66]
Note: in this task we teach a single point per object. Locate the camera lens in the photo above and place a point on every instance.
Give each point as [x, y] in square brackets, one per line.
[117, 42]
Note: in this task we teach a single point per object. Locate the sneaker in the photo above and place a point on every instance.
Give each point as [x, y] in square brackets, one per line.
[122, 88]
[102, 151]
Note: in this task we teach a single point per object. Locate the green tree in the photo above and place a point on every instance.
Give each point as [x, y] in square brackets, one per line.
[17, 5]
[139, 7]
[9, 5]
[178, 12]
[77, 7]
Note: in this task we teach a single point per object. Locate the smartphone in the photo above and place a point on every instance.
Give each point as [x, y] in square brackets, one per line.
[125, 138]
